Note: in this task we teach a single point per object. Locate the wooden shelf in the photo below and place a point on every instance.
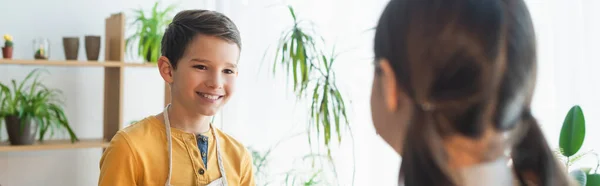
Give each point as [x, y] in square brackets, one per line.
[114, 72]
[75, 63]
[55, 145]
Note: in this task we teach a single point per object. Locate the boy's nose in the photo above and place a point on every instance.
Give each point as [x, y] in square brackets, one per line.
[215, 82]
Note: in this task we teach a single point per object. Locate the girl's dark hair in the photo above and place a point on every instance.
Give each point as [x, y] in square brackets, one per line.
[465, 64]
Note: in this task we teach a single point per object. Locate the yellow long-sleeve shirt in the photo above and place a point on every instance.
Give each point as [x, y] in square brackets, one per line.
[138, 155]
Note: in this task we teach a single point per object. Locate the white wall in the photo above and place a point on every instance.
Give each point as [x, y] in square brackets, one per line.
[568, 55]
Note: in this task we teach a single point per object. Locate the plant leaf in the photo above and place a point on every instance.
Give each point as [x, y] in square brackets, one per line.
[292, 12]
[572, 133]
[593, 180]
[579, 176]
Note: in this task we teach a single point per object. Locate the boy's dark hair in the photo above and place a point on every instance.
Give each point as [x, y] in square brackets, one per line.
[188, 24]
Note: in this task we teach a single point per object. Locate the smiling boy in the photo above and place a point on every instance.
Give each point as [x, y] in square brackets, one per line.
[200, 51]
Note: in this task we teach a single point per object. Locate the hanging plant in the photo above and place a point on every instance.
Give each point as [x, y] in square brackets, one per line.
[301, 54]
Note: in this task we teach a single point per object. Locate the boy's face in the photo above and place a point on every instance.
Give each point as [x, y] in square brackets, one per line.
[204, 79]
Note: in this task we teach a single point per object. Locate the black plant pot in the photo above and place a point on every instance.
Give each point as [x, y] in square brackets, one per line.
[20, 133]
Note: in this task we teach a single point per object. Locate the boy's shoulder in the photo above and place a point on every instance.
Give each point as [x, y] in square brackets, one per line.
[147, 125]
[232, 144]
[142, 129]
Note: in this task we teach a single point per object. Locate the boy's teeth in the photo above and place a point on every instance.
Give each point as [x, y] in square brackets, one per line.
[210, 96]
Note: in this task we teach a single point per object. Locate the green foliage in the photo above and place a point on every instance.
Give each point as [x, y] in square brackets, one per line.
[8, 40]
[37, 102]
[300, 174]
[593, 180]
[301, 54]
[572, 136]
[572, 133]
[579, 176]
[149, 32]
[8, 43]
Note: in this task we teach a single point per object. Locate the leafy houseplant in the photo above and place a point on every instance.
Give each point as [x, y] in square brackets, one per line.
[149, 32]
[572, 136]
[7, 50]
[301, 54]
[298, 175]
[27, 108]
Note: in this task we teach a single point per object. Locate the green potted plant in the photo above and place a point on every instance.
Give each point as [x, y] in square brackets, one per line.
[571, 139]
[31, 109]
[149, 31]
[7, 50]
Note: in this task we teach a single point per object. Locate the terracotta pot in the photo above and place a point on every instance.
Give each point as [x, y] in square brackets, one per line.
[71, 46]
[7, 52]
[20, 132]
[92, 47]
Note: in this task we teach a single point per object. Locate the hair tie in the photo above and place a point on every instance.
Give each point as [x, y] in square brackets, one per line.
[427, 106]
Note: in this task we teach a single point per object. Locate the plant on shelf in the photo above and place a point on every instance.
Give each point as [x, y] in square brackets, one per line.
[571, 139]
[31, 109]
[301, 53]
[149, 31]
[7, 50]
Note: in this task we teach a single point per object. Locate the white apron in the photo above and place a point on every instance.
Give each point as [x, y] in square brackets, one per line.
[222, 181]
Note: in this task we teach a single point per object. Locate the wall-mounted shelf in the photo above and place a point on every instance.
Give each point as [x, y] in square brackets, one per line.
[55, 145]
[75, 63]
[113, 88]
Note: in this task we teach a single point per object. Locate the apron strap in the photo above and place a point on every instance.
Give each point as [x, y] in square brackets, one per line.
[219, 159]
[169, 144]
[170, 152]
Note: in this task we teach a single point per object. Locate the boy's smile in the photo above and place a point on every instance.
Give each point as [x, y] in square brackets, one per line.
[210, 97]
[204, 78]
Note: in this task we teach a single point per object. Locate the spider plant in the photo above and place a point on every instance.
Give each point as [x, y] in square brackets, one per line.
[34, 102]
[301, 54]
[149, 32]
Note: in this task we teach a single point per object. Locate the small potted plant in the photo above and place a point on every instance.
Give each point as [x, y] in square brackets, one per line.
[572, 136]
[32, 109]
[7, 50]
[150, 29]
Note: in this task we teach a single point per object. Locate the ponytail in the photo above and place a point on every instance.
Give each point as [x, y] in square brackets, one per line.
[423, 152]
[533, 160]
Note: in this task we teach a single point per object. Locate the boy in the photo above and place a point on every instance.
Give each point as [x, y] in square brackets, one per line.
[200, 50]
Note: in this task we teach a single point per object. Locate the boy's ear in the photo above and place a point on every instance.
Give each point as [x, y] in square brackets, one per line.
[165, 69]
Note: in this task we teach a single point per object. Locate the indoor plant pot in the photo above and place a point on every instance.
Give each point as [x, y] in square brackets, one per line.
[149, 32]
[7, 52]
[41, 48]
[92, 47]
[29, 107]
[7, 49]
[20, 131]
[71, 46]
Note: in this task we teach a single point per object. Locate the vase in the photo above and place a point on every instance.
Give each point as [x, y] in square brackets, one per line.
[20, 132]
[92, 47]
[71, 46]
[7, 52]
[41, 48]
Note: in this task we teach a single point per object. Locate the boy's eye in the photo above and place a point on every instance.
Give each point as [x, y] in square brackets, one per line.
[228, 71]
[201, 67]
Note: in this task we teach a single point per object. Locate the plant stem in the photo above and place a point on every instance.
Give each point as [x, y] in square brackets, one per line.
[568, 159]
[597, 162]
